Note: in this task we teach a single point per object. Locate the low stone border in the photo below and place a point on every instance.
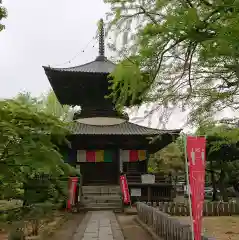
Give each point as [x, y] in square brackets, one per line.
[119, 225]
[79, 233]
[130, 211]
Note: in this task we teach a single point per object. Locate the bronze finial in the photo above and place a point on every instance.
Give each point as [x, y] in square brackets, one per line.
[101, 38]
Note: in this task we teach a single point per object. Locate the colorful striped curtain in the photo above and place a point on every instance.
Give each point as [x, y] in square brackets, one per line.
[94, 156]
[133, 155]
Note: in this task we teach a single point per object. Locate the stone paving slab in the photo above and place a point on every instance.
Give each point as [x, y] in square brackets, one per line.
[99, 225]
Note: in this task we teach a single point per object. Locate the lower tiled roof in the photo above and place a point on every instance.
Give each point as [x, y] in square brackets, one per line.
[125, 128]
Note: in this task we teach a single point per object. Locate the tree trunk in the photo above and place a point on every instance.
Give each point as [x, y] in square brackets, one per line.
[221, 186]
[213, 181]
[176, 179]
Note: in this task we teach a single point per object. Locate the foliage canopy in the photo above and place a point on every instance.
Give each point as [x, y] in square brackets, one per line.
[189, 50]
[29, 142]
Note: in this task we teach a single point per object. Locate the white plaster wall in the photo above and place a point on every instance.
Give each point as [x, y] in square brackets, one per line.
[101, 121]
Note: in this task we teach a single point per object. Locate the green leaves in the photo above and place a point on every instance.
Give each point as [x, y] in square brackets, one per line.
[222, 141]
[3, 14]
[168, 160]
[188, 48]
[29, 140]
[131, 83]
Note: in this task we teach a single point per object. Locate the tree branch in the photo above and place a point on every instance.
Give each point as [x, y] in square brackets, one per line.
[166, 50]
[148, 14]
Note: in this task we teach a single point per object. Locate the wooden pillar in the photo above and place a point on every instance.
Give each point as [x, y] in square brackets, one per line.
[147, 162]
[120, 164]
[120, 161]
[149, 193]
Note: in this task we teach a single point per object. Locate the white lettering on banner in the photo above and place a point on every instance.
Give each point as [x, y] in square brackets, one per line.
[199, 191]
[203, 156]
[194, 158]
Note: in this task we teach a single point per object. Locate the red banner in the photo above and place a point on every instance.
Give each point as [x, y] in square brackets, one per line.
[72, 192]
[196, 154]
[125, 189]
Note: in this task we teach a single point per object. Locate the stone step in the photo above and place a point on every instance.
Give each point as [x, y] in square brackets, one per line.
[101, 202]
[100, 190]
[102, 205]
[101, 198]
[114, 209]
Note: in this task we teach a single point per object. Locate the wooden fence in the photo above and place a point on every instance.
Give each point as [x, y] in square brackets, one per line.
[163, 225]
[209, 208]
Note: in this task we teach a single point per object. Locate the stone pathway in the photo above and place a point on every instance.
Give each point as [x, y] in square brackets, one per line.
[99, 225]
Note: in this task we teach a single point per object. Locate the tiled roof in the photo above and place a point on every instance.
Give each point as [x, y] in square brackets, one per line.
[97, 66]
[125, 128]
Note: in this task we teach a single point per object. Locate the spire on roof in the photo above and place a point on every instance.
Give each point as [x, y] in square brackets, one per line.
[101, 40]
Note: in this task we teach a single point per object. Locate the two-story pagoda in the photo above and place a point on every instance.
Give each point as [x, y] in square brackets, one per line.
[104, 142]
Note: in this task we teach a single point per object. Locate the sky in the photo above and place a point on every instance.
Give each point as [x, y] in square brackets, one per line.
[45, 33]
[59, 33]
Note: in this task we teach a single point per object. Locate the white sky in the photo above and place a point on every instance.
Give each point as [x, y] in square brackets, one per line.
[51, 32]
[46, 32]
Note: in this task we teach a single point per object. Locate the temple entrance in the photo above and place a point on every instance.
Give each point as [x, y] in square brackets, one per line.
[100, 173]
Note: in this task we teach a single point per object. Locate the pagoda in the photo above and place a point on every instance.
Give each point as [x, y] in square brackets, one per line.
[104, 143]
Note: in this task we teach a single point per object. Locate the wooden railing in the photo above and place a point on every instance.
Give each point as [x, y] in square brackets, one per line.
[209, 208]
[163, 225]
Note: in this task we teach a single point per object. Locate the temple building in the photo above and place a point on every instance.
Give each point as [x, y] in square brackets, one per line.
[104, 143]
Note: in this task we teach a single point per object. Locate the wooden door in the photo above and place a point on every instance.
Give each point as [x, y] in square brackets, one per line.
[101, 173]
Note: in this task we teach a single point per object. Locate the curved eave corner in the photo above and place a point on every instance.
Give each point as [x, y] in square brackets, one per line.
[174, 132]
[50, 69]
[161, 140]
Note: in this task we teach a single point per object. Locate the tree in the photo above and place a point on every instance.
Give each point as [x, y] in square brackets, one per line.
[222, 155]
[30, 161]
[49, 104]
[169, 160]
[29, 143]
[179, 53]
[3, 14]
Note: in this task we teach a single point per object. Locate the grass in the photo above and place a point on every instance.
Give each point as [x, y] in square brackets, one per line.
[47, 225]
[223, 228]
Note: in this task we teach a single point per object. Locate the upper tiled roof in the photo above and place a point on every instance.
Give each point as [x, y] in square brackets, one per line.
[125, 128]
[100, 65]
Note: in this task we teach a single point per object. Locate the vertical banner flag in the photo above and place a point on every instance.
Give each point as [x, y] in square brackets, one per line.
[72, 192]
[124, 189]
[196, 155]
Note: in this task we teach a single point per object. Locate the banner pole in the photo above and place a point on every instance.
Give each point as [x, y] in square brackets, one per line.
[188, 185]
